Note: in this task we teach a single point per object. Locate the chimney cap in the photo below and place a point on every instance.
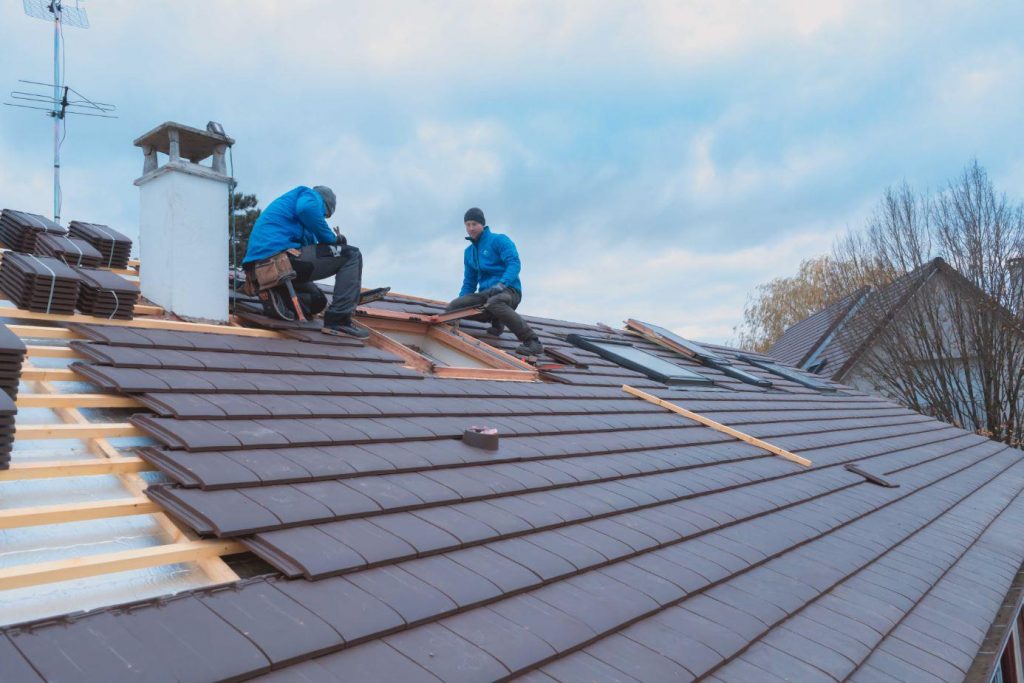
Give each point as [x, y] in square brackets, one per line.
[194, 144]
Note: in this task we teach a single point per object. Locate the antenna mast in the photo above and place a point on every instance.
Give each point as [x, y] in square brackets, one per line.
[59, 106]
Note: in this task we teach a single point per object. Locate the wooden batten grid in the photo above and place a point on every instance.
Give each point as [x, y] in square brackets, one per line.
[182, 545]
[718, 426]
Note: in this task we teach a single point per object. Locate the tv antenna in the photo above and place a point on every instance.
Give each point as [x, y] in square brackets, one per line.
[64, 100]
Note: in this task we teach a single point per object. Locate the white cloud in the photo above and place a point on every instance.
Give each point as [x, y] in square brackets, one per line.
[698, 294]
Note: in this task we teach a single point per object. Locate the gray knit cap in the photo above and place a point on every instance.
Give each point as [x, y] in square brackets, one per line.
[330, 201]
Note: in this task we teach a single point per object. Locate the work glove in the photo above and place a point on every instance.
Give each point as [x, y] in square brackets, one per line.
[339, 238]
[495, 290]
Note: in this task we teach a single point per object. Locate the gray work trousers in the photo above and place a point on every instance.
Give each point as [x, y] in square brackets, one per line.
[500, 307]
[319, 261]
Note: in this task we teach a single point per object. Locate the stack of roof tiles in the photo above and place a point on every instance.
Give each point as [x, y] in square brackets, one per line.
[19, 230]
[7, 412]
[70, 250]
[106, 295]
[12, 356]
[114, 248]
[606, 538]
[39, 283]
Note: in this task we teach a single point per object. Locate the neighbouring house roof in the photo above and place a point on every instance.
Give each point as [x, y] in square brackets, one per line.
[801, 340]
[605, 539]
[831, 341]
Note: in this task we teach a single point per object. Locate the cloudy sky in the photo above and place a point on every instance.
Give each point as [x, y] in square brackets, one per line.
[655, 160]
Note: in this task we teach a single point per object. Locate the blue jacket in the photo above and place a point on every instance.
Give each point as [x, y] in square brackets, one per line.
[293, 220]
[490, 259]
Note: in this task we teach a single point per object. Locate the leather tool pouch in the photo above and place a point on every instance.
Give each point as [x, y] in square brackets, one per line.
[271, 272]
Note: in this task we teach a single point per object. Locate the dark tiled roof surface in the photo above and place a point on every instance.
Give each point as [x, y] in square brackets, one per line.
[799, 341]
[605, 539]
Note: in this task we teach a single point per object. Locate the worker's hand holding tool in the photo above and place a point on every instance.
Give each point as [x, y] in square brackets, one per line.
[340, 239]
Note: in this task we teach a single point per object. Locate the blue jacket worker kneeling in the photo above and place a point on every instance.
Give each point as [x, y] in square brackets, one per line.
[491, 280]
[295, 223]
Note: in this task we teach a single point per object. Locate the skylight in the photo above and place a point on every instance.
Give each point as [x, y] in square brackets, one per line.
[788, 373]
[628, 356]
[441, 350]
[674, 342]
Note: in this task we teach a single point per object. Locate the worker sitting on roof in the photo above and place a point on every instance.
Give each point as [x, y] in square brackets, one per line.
[296, 223]
[491, 280]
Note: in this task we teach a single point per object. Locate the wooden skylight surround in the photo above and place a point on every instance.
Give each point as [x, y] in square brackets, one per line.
[442, 350]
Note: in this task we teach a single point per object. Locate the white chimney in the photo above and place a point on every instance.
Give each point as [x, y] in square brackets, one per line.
[183, 221]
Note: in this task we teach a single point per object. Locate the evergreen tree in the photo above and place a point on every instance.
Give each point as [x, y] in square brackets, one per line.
[244, 210]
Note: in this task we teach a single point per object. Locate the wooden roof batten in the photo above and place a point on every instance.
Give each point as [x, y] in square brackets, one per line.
[182, 546]
[718, 426]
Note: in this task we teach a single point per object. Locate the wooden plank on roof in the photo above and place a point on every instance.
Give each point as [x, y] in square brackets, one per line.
[42, 351]
[457, 314]
[94, 430]
[500, 374]
[53, 469]
[718, 426]
[147, 309]
[130, 272]
[106, 563]
[139, 323]
[45, 400]
[32, 373]
[42, 332]
[387, 314]
[76, 512]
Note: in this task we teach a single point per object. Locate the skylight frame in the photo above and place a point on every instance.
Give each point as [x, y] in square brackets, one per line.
[789, 373]
[673, 342]
[680, 376]
[499, 365]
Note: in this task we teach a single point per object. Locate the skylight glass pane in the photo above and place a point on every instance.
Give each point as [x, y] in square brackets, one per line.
[633, 358]
[792, 375]
[708, 358]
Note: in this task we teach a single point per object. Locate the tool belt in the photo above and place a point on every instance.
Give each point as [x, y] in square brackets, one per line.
[268, 273]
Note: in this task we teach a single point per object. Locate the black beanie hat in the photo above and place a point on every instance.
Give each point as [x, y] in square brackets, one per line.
[475, 214]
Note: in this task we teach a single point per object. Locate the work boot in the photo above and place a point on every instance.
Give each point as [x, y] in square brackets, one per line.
[346, 328]
[495, 329]
[530, 347]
